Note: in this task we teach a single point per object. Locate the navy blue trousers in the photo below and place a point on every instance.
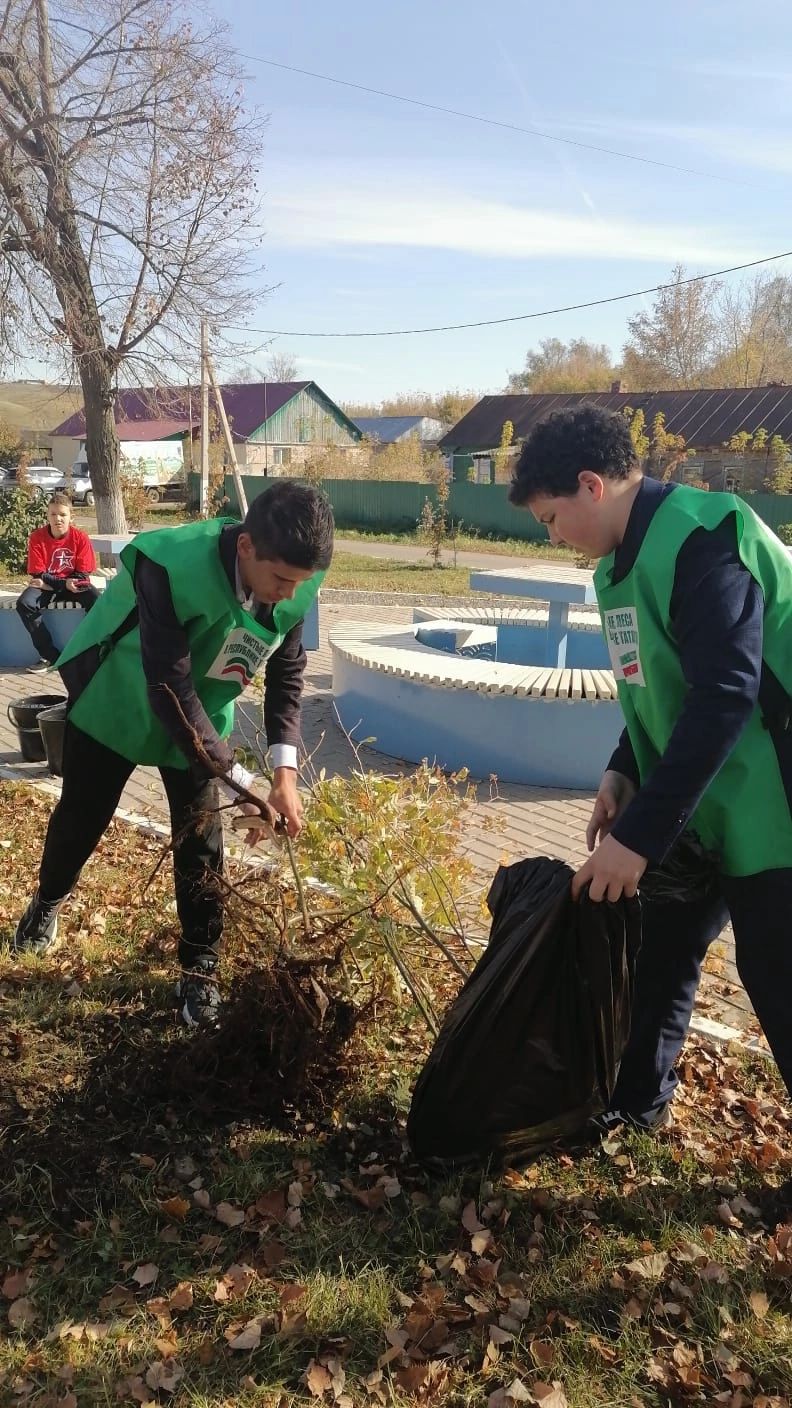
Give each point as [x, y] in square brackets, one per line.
[675, 941]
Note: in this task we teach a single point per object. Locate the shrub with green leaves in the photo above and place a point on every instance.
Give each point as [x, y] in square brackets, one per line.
[21, 510]
[785, 533]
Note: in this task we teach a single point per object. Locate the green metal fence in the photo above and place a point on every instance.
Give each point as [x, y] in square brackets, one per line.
[390, 507]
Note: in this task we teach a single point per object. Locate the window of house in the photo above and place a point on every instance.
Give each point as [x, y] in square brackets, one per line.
[282, 454]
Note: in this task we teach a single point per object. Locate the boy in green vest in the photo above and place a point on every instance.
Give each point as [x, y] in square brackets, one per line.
[695, 596]
[152, 674]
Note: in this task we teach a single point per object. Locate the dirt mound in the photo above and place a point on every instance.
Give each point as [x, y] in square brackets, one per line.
[139, 1079]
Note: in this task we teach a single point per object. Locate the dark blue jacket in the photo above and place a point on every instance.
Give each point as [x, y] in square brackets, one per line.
[716, 613]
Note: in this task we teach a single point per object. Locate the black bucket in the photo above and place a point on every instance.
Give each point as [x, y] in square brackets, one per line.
[52, 723]
[24, 715]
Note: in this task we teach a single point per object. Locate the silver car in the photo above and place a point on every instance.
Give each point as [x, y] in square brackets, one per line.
[39, 476]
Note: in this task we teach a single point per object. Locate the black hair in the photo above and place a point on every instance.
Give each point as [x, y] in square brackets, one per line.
[566, 442]
[292, 523]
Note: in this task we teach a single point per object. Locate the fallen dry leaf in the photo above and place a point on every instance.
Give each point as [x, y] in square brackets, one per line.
[271, 1205]
[249, 1337]
[134, 1388]
[229, 1215]
[759, 1304]
[182, 1297]
[239, 1278]
[177, 1208]
[272, 1253]
[481, 1242]
[158, 1306]
[650, 1268]
[542, 1353]
[470, 1219]
[164, 1374]
[21, 1313]
[550, 1395]
[146, 1275]
[318, 1379]
[16, 1284]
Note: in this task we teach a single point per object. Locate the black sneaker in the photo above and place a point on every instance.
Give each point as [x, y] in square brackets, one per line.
[600, 1126]
[40, 668]
[199, 999]
[37, 930]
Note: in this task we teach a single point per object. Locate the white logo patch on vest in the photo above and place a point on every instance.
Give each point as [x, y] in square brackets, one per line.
[241, 657]
[621, 634]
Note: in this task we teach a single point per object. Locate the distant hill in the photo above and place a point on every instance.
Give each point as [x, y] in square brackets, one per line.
[37, 406]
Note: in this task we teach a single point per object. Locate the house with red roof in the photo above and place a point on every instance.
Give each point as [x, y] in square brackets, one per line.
[276, 426]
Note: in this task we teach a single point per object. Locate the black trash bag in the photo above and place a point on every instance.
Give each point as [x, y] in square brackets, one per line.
[689, 873]
[531, 1047]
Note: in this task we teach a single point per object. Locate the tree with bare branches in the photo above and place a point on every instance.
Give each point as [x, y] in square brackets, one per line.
[127, 198]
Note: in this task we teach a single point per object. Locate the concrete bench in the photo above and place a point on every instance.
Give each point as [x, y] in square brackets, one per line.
[514, 633]
[16, 647]
[525, 723]
[583, 620]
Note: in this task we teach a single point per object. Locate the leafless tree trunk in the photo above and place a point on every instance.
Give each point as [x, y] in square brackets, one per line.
[127, 203]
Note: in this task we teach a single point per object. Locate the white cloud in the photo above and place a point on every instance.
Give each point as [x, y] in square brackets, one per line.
[761, 149]
[738, 70]
[361, 214]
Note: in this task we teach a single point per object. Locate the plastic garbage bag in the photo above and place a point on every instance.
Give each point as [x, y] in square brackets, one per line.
[530, 1048]
[688, 874]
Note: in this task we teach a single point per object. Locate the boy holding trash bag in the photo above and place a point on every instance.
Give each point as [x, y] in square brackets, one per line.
[695, 596]
[152, 675]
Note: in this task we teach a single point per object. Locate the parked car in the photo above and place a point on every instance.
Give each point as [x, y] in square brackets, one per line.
[80, 488]
[40, 476]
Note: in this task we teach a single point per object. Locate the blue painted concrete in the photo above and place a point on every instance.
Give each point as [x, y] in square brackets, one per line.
[311, 628]
[574, 590]
[16, 647]
[521, 645]
[524, 645]
[550, 743]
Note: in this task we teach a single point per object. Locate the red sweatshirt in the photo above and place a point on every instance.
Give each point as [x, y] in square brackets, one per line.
[69, 556]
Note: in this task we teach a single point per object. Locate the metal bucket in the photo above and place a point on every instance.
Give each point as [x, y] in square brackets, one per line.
[52, 723]
[24, 715]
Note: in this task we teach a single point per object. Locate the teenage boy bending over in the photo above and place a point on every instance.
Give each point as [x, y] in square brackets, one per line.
[192, 615]
[695, 595]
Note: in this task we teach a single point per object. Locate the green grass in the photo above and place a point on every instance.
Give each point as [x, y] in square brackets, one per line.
[466, 542]
[356, 572]
[94, 1186]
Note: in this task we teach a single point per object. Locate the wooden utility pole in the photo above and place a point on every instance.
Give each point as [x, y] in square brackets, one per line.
[204, 495]
[229, 439]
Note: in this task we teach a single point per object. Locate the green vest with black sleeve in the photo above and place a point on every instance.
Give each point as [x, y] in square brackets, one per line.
[744, 814]
[227, 645]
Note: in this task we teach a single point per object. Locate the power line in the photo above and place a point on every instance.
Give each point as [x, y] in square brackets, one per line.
[491, 121]
[521, 317]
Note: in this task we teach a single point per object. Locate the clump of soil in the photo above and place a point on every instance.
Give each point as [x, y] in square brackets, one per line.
[136, 1077]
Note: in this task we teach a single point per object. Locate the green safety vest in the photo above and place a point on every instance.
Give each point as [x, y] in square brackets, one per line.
[227, 645]
[744, 814]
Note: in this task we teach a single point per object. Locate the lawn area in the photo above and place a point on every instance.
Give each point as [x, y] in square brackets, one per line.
[468, 542]
[233, 1218]
[357, 572]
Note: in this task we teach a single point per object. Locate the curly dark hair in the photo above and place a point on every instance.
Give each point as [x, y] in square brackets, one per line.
[293, 523]
[566, 442]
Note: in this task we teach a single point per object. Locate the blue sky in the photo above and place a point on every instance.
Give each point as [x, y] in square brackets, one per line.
[377, 215]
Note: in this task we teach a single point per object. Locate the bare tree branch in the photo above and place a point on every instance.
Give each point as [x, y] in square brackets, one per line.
[127, 197]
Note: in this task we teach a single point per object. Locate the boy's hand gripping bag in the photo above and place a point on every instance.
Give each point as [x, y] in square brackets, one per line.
[531, 1047]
